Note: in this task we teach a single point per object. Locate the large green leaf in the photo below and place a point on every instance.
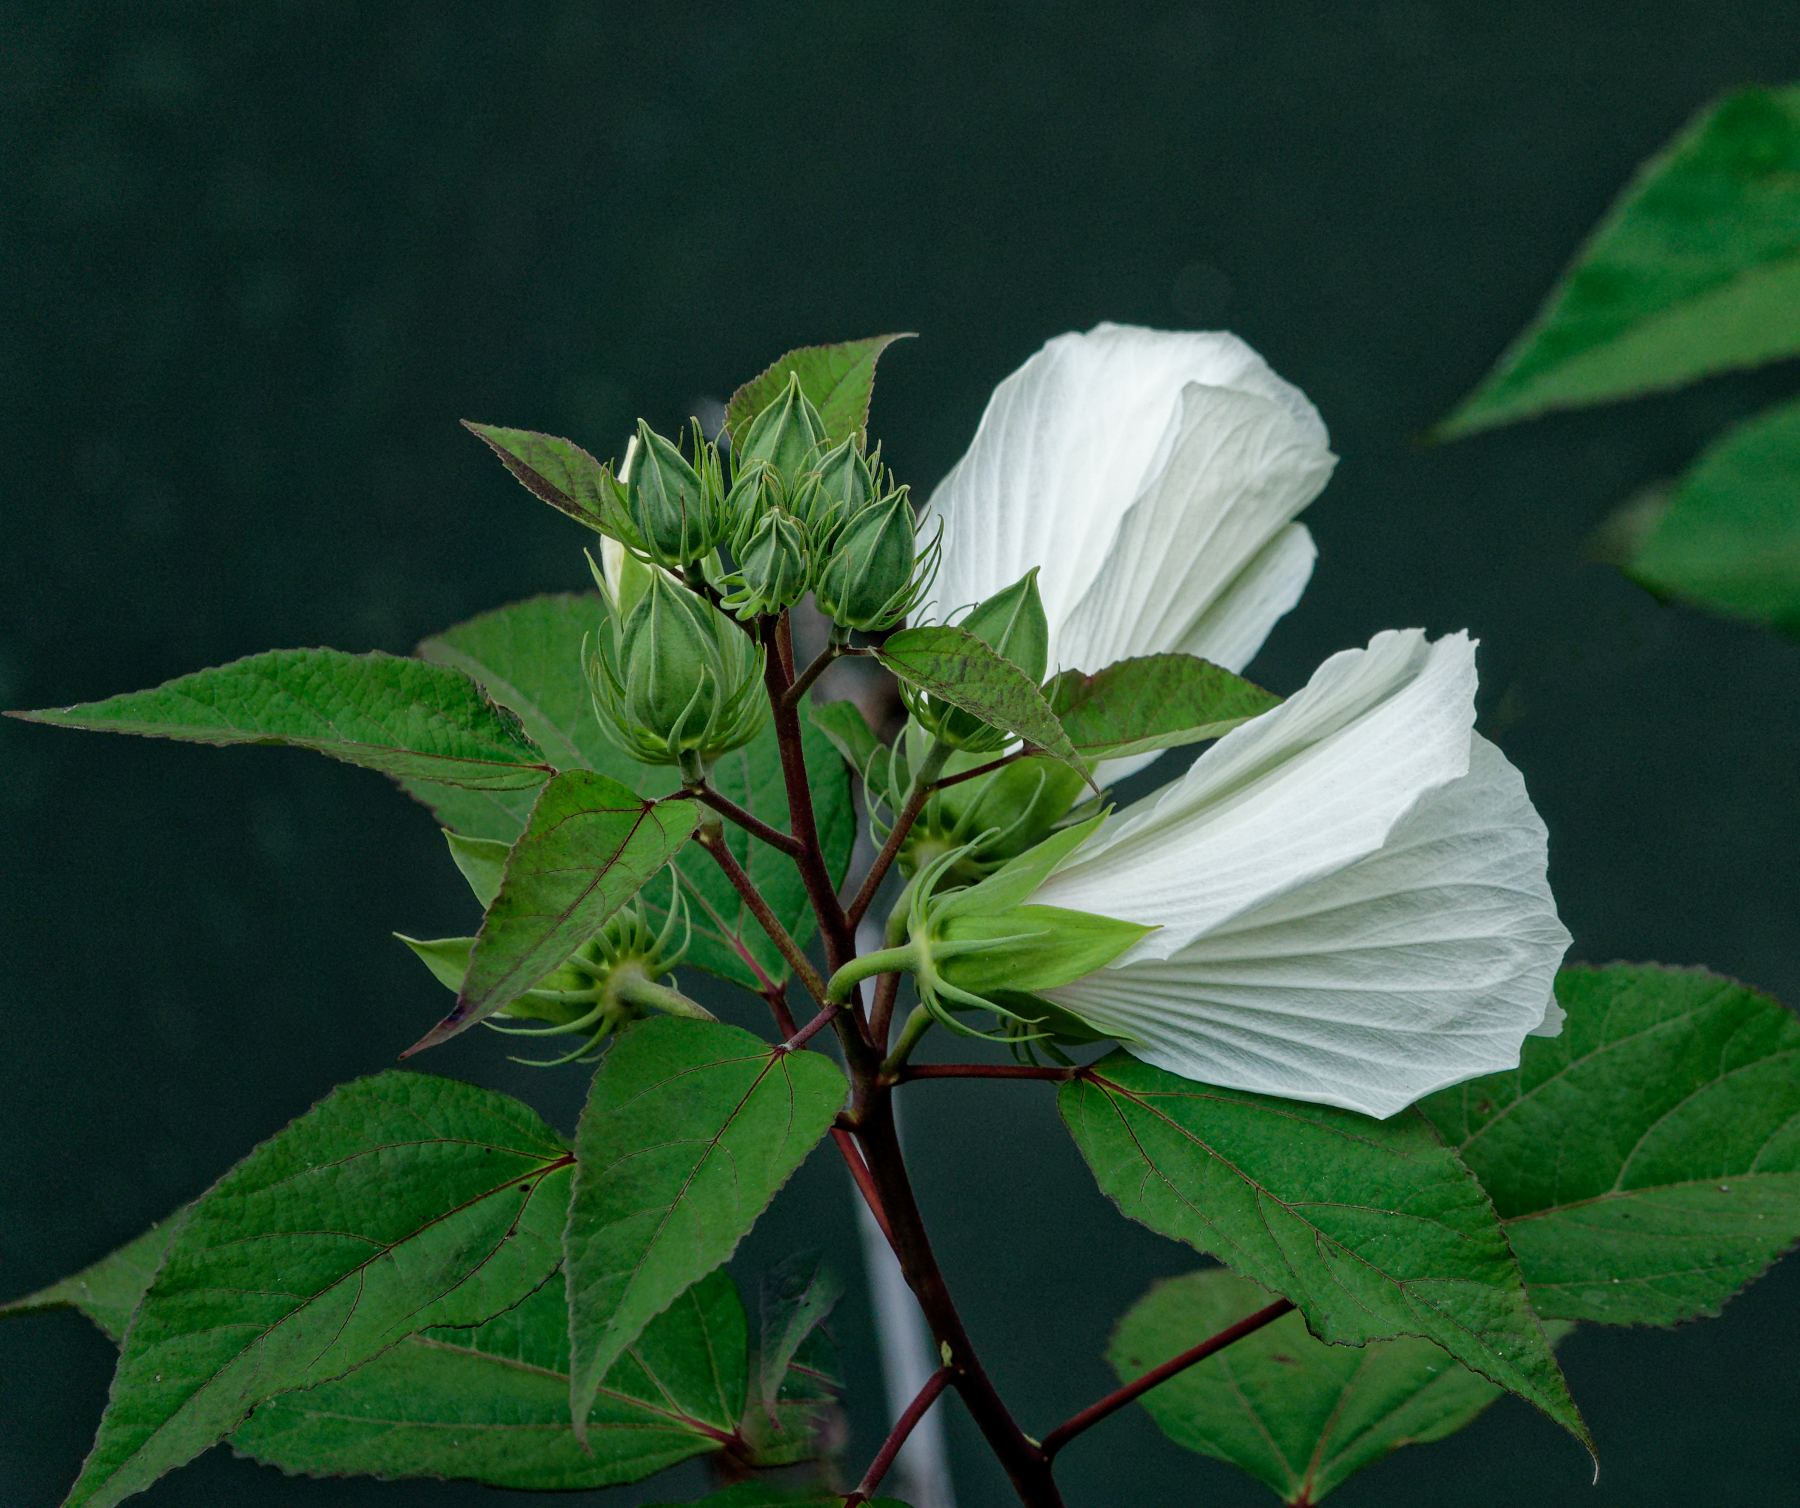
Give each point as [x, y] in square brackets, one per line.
[528, 656]
[1300, 1416]
[1727, 536]
[839, 380]
[1372, 1228]
[556, 471]
[396, 1204]
[964, 671]
[689, 1130]
[1696, 269]
[108, 1291]
[422, 722]
[1156, 702]
[1647, 1161]
[491, 1404]
[590, 846]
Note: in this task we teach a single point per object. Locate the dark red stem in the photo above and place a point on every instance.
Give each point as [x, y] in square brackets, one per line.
[903, 1426]
[1113, 1402]
[983, 1071]
[713, 842]
[750, 823]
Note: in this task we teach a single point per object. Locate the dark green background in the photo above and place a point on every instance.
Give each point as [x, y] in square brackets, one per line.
[257, 261]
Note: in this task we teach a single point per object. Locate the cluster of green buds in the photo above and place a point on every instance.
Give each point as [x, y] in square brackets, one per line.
[666, 510]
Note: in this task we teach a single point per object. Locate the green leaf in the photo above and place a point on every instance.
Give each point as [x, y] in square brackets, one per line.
[1372, 1228]
[1647, 1161]
[528, 656]
[848, 730]
[559, 472]
[797, 1294]
[491, 1404]
[964, 671]
[1299, 1416]
[838, 380]
[399, 716]
[590, 847]
[1695, 270]
[482, 862]
[689, 1130]
[398, 1203]
[109, 1290]
[801, 1421]
[1728, 535]
[1157, 702]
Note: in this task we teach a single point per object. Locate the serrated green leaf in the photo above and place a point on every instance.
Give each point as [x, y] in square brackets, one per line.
[1300, 1416]
[402, 717]
[798, 1293]
[491, 1404]
[848, 730]
[1647, 1161]
[1156, 702]
[107, 1291]
[1727, 536]
[962, 670]
[558, 472]
[1372, 1228]
[590, 846]
[528, 655]
[838, 380]
[398, 1203]
[1695, 270]
[689, 1130]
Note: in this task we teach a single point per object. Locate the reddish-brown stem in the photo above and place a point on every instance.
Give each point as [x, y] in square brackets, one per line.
[881, 1011]
[903, 824]
[776, 995]
[1113, 1402]
[784, 646]
[712, 839]
[1024, 1463]
[983, 769]
[903, 1427]
[982, 1071]
[859, 1172]
[803, 683]
[750, 823]
[799, 1039]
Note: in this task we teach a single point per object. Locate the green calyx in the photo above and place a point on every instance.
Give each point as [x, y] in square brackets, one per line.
[608, 981]
[987, 947]
[774, 568]
[1013, 625]
[876, 574]
[676, 682]
[784, 435]
[676, 510]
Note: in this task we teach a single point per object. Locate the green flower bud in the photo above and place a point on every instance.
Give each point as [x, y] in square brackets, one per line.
[1012, 623]
[755, 489]
[784, 434]
[845, 486]
[869, 582]
[673, 508]
[679, 683]
[773, 567]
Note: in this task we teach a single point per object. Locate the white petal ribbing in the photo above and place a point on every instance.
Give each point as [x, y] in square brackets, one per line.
[1076, 436]
[1242, 467]
[1294, 795]
[1422, 965]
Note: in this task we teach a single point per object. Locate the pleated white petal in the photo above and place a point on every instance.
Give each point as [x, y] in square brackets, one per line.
[1294, 795]
[1242, 466]
[1068, 443]
[1422, 965]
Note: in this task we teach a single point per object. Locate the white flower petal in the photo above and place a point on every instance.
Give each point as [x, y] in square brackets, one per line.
[1294, 795]
[1068, 443]
[1233, 628]
[1420, 966]
[1241, 467]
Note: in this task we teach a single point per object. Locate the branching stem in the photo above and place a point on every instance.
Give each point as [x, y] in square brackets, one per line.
[903, 1427]
[804, 681]
[1113, 1402]
[923, 783]
[983, 1071]
[712, 838]
[749, 821]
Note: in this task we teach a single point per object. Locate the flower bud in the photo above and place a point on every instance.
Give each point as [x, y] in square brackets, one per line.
[755, 489]
[845, 486]
[784, 434]
[1012, 623]
[773, 567]
[673, 508]
[679, 683]
[868, 583]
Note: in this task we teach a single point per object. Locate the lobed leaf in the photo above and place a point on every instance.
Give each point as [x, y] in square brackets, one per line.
[491, 1404]
[590, 846]
[963, 670]
[1646, 1162]
[1156, 702]
[1727, 536]
[558, 472]
[839, 380]
[405, 718]
[1372, 1228]
[396, 1204]
[1695, 270]
[1300, 1416]
[108, 1291]
[689, 1130]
